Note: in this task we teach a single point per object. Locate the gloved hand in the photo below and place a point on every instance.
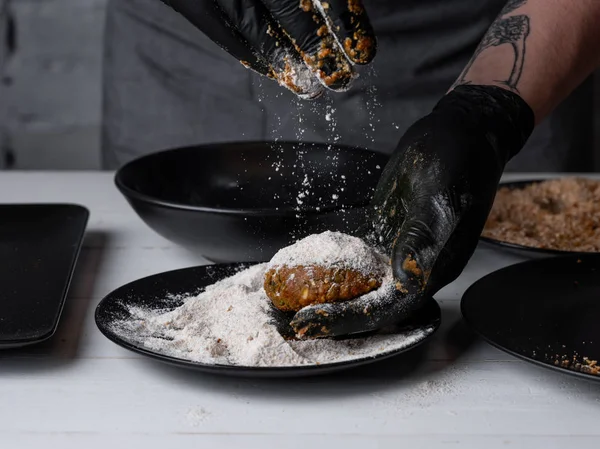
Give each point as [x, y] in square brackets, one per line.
[303, 44]
[432, 202]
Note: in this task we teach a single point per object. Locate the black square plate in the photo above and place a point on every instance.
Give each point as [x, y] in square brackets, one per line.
[39, 246]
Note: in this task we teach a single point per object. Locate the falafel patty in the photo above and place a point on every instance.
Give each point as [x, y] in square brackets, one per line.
[293, 288]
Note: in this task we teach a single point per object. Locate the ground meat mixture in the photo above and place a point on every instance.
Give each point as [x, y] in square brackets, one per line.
[293, 288]
[323, 268]
[574, 363]
[561, 214]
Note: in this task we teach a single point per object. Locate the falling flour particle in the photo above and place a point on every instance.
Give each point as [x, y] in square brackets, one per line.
[230, 324]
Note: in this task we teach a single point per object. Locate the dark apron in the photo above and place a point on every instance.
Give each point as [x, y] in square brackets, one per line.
[166, 85]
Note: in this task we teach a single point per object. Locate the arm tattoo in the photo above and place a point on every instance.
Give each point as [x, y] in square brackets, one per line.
[511, 5]
[506, 30]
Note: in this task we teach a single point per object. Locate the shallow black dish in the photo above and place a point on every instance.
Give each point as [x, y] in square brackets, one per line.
[241, 201]
[540, 310]
[522, 250]
[39, 247]
[152, 291]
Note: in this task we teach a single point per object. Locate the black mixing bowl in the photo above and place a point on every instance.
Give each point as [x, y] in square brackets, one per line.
[242, 202]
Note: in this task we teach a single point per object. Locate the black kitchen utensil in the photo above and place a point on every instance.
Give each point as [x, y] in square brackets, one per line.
[158, 291]
[522, 250]
[39, 246]
[543, 311]
[244, 201]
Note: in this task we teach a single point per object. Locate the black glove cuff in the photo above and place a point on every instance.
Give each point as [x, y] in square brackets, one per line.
[503, 116]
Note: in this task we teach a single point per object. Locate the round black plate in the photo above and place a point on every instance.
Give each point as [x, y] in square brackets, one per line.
[151, 291]
[540, 310]
[524, 250]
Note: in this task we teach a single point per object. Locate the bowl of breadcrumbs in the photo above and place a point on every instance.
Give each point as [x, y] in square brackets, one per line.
[552, 216]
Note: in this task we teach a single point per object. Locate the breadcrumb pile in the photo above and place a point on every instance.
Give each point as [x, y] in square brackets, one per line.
[561, 214]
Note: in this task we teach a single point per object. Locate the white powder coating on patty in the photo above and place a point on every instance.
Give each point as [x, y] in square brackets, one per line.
[331, 249]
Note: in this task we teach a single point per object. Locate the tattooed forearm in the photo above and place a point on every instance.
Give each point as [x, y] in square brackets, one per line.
[510, 30]
[511, 5]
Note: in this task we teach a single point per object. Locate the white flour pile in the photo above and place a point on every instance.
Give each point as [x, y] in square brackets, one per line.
[230, 322]
[332, 249]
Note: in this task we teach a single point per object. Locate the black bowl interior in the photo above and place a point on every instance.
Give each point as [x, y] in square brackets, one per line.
[255, 177]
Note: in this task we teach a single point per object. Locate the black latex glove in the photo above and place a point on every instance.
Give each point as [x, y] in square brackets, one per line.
[432, 203]
[274, 37]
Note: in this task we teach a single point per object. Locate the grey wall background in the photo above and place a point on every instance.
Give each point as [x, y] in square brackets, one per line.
[53, 98]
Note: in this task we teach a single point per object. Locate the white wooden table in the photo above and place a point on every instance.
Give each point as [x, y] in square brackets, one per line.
[79, 390]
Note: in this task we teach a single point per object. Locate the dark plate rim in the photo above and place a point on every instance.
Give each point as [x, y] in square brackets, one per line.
[523, 357]
[242, 369]
[19, 342]
[523, 248]
[82, 208]
[133, 194]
